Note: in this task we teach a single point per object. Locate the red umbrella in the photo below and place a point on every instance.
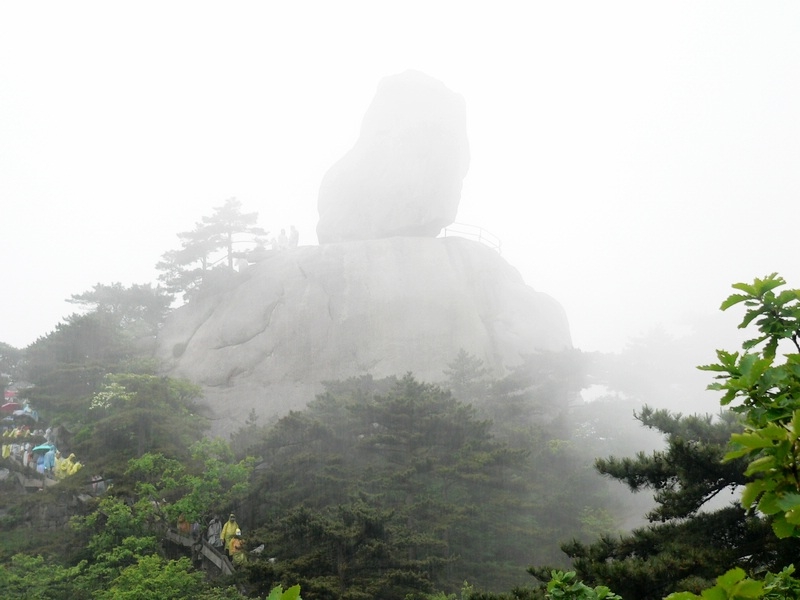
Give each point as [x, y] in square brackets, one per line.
[11, 406]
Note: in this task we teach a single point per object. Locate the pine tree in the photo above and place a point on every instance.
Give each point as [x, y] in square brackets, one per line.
[185, 270]
[441, 498]
[690, 541]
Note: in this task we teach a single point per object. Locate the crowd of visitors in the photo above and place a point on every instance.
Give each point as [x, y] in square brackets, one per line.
[34, 449]
[225, 537]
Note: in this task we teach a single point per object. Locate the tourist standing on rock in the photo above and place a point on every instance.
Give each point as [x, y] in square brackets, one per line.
[294, 237]
[228, 531]
[283, 241]
[214, 531]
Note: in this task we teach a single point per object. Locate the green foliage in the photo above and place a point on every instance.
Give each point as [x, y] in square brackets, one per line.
[468, 378]
[121, 558]
[139, 309]
[467, 592]
[69, 364]
[565, 586]
[33, 577]
[208, 481]
[10, 362]
[132, 414]
[766, 391]
[404, 488]
[735, 585]
[93, 375]
[399, 488]
[112, 522]
[536, 409]
[277, 593]
[105, 565]
[687, 545]
[689, 472]
[153, 578]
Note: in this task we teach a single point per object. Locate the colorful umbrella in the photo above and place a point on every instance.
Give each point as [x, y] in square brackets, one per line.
[43, 448]
[11, 406]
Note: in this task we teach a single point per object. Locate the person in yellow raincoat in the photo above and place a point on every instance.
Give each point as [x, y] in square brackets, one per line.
[62, 466]
[68, 466]
[75, 465]
[228, 531]
[238, 555]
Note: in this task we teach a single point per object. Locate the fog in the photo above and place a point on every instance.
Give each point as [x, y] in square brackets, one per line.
[634, 159]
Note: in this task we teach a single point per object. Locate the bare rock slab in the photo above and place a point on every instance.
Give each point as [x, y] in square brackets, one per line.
[380, 307]
[404, 175]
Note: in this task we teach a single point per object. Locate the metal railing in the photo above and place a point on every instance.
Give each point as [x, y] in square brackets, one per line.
[203, 548]
[473, 232]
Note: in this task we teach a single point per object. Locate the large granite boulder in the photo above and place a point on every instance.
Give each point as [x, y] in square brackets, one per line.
[404, 174]
[381, 307]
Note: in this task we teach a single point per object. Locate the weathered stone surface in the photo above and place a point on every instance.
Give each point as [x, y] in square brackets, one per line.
[383, 307]
[404, 174]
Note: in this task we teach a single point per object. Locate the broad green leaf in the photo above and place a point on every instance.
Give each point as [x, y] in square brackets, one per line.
[753, 439]
[773, 431]
[789, 501]
[769, 501]
[771, 348]
[765, 463]
[731, 577]
[715, 593]
[736, 453]
[745, 287]
[747, 345]
[293, 593]
[787, 296]
[752, 368]
[782, 527]
[793, 516]
[732, 300]
[749, 588]
[750, 315]
[752, 491]
[714, 367]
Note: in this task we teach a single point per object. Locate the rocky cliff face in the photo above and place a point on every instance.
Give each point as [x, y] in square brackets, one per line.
[381, 295]
[384, 307]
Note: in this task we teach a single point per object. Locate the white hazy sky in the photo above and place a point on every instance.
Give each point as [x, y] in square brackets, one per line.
[635, 158]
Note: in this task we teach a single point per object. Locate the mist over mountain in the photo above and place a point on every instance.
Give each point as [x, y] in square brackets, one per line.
[381, 295]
